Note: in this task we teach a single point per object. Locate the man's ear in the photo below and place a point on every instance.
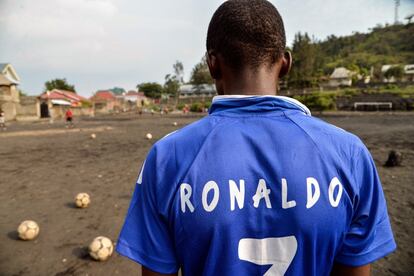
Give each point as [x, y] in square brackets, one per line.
[213, 65]
[286, 64]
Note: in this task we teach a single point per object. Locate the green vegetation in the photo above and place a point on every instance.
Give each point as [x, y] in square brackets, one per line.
[151, 89]
[358, 52]
[173, 81]
[21, 93]
[117, 90]
[326, 100]
[396, 71]
[171, 85]
[318, 101]
[201, 74]
[59, 84]
[196, 107]
[180, 106]
[86, 104]
[404, 92]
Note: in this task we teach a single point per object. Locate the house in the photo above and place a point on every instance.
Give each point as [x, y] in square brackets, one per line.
[55, 102]
[105, 101]
[408, 73]
[203, 90]
[407, 76]
[9, 94]
[136, 97]
[384, 69]
[341, 77]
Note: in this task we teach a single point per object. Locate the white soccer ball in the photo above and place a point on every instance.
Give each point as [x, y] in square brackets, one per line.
[82, 200]
[149, 136]
[101, 248]
[93, 136]
[28, 230]
[175, 124]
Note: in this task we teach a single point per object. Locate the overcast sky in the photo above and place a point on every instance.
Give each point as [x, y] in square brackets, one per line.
[98, 44]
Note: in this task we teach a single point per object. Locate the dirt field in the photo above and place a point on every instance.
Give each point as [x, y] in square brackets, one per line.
[43, 166]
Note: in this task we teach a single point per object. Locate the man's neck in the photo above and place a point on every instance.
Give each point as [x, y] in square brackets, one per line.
[248, 82]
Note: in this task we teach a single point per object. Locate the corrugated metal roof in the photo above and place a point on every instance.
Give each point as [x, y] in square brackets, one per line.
[60, 102]
[103, 95]
[197, 89]
[57, 94]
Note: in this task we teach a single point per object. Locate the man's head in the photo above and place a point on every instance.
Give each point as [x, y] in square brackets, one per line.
[246, 35]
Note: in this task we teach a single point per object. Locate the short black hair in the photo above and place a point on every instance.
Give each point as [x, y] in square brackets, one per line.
[247, 33]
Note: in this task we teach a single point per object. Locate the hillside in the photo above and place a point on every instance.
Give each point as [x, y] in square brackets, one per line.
[384, 45]
[358, 52]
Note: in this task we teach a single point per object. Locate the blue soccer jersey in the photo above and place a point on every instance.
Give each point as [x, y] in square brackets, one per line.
[257, 187]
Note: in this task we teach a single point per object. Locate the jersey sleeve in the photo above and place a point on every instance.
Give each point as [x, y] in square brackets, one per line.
[369, 236]
[145, 235]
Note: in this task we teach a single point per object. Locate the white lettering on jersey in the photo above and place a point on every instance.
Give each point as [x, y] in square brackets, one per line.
[286, 204]
[262, 192]
[278, 252]
[335, 183]
[236, 194]
[312, 197]
[211, 185]
[185, 194]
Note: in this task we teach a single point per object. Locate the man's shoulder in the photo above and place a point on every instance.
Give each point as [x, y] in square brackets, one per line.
[325, 134]
[189, 137]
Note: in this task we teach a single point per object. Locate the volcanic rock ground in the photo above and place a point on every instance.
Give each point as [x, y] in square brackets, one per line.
[43, 166]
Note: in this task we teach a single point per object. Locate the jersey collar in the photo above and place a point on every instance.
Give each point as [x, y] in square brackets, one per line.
[255, 104]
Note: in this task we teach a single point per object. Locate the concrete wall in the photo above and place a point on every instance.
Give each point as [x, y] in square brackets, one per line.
[29, 108]
[9, 109]
[9, 101]
[58, 111]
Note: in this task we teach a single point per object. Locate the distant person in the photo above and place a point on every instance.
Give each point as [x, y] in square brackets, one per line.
[69, 118]
[2, 120]
[186, 109]
[259, 186]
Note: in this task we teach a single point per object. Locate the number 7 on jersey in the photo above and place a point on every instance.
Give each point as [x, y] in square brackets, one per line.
[278, 252]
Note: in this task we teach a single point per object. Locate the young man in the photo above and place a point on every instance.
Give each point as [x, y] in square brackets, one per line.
[69, 118]
[258, 187]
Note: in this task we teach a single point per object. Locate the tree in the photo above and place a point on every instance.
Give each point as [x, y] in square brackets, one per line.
[59, 84]
[21, 93]
[305, 64]
[179, 71]
[171, 85]
[200, 74]
[151, 89]
[117, 90]
[174, 81]
[395, 71]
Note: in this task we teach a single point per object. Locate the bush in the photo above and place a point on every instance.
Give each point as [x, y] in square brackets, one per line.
[350, 93]
[196, 107]
[180, 106]
[318, 101]
[391, 86]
